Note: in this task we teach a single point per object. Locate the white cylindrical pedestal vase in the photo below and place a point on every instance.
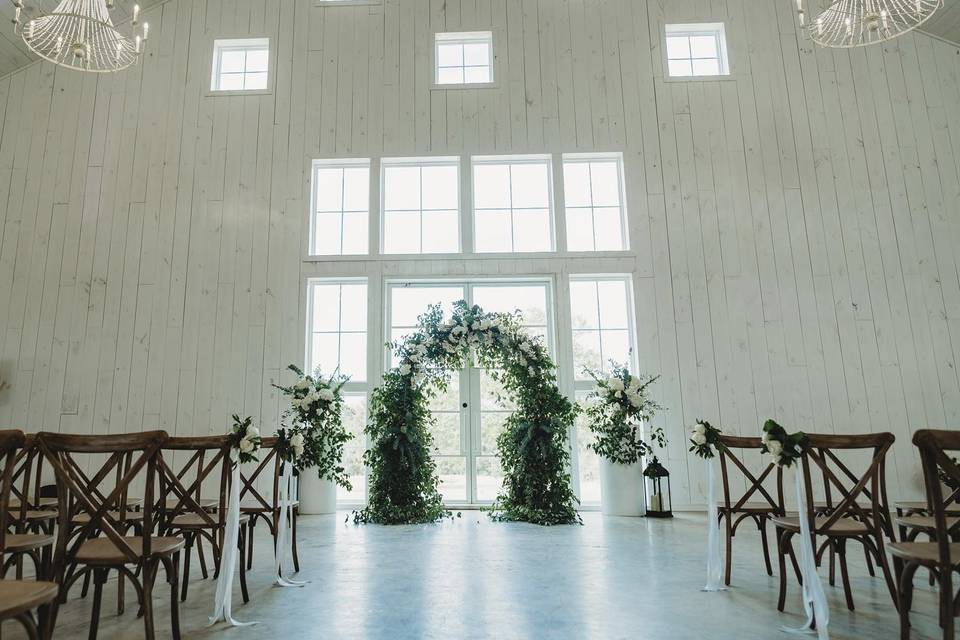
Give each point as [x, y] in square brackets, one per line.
[317, 496]
[621, 488]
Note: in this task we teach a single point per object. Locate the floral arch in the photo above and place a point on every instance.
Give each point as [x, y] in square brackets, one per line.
[533, 447]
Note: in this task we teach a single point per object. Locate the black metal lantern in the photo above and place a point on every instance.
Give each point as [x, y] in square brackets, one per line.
[659, 504]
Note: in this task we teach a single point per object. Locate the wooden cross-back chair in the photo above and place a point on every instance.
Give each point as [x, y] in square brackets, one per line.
[32, 521]
[849, 519]
[942, 554]
[18, 598]
[99, 543]
[258, 506]
[186, 513]
[755, 503]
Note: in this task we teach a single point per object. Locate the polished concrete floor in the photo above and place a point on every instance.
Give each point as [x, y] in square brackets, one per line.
[472, 578]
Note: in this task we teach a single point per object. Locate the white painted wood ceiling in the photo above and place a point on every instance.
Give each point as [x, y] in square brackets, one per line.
[14, 53]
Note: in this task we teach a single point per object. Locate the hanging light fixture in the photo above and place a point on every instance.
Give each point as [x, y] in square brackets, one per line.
[856, 23]
[79, 34]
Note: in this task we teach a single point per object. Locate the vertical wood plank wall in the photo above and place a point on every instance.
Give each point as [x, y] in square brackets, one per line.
[794, 227]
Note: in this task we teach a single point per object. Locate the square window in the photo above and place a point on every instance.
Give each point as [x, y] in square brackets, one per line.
[341, 202]
[421, 205]
[240, 64]
[696, 50]
[593, 195]
[463, 58]
[512, 204]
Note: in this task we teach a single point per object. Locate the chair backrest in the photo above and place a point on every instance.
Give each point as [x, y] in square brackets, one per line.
[939, 469]
[270, 463]
[756, 491]
[208, 461]
[128, 456]
[845, 488]
[10, 442]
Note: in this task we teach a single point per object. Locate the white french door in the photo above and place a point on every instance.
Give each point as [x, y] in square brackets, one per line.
[471, 413]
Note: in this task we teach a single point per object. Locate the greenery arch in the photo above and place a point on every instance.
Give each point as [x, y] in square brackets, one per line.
[533, 447]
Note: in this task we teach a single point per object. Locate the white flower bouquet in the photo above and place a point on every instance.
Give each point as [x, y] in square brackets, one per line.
[786, 448]
[616, 411]
[245, 438]
[704, 437]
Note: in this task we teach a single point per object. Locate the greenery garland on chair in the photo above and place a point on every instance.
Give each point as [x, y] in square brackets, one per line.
[533, 447]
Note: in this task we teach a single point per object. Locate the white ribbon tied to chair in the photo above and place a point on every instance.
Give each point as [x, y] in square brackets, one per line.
[222, 606]
[714, 559]
[814, 598]
[284, 548]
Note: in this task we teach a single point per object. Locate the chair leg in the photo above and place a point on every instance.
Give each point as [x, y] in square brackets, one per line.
[946, 603]
[203, 560]
[253, 522]
[86, 585]
[842, 555]
[189, 537]
[99, 579]
[26, 621]
[173, 576]
[905, 591]
[728, 519]
[293, 537]
[149, 576]
[782, 561]
[866, 554]
[763, 538]
[243, 569]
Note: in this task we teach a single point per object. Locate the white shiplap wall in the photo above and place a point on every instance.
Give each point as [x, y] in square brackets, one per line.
[794, 226]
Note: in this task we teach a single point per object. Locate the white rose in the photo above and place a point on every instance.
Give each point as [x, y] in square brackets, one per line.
[252, 432]
[634, 384]
[615, 383]
[476, 325]
[699, 438]
[405, 369]
[523, 361]
[325, 394]
[532, 371]
[618, 394]
[246, 446]
[634, 399]
[296, 440]
[417, 378]
[301, 384]
[414, 357]
[700, 428]
[775, 448]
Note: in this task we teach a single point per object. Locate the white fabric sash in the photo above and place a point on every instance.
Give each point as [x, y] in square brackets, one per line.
[222, 606]
[814, 599]
[714, 559]
[284, 548]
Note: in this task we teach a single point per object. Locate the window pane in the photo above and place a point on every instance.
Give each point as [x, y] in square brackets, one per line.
[329, 188]
[605, 184]
[446, 434]
[232, 61]
[475, 75]
[453, 478]
[356, 188]
[576, 184]
[353, 307]
[706, 67]
[354, 420]
[441, 187]
[586, 352]
[409, 302]
[491, 186]
[608, 232]
[440, 231]
[493, 231]
[326, 240]
[614, 313]
[326, 307]
[587, 461]
[680, 68]
[401, 232]
[257, 60]
[353, 356]
[579, 230]
[449, 55]
[450, 75]
[615, 346]
[356, 236]
[584, 305]
[323, 353]
[703, 46]
[231, 82]
[476, 54]
[530, 185]
[531, 230]
[401, 188]
[531, 300]
[255, 81]
[678, 47]
[489, 478]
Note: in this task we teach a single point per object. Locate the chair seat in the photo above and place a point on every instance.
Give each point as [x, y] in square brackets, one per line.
[196, 521]
[114, 516]
[752, 507]
[842, 527]
[19, 542]
[255, 506]
[922, 506]
[924, 522]
[205, 503]
[42, 503]
[925, 553]
[35, 515]
[17, 596]
[102, 551]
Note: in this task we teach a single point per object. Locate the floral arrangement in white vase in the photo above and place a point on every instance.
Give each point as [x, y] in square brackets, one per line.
[617, 410]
